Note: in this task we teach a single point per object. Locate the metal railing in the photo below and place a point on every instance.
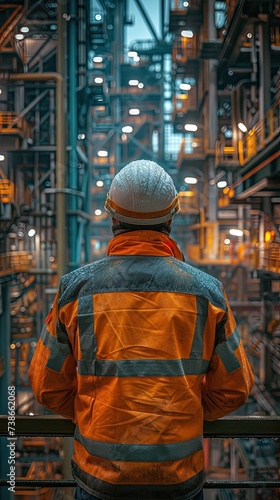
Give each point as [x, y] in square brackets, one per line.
[245, 427]
[261, 134]
[14, 262]
[12, 123]
[257, 138]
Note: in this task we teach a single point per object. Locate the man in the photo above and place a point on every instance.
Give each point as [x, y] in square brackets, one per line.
[138, 350]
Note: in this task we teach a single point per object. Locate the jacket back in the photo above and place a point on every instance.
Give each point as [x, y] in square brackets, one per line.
[138, 351]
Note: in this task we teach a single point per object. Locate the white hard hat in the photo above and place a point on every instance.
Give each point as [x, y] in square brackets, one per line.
[142, 193]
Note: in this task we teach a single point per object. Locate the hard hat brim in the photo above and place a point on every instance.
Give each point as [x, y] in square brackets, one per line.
[141, 218]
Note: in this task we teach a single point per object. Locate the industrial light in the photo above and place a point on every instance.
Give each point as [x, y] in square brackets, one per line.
[99, 183]
[102, 153]
[98, 17]
[98, 211]
[221, 184]
[19, 36]
[268, 236]
[0, 91]
[132, 53]
[98, 79]
[134, 111]
[187, 33]
[31, 232]
[136, 59]
[127, 129]
[249, 35]
[97, 59]
[242, 127]
[24, 29]
[228, 133]
[227, 241]
[185, 4]
[140, 85]
[190, 180]
[185, 86]
[190, 127]
[2, 157]
[133, 82]
[236, 232]
[81, 136]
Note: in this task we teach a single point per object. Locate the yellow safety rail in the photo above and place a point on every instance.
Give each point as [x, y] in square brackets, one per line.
[261, 134]
[6, 188]
[13, 123]
[254, 141]
[212, 249]
[14, 262]
[268, 257]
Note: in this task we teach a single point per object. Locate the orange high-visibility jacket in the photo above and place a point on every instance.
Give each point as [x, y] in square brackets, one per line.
[138, 350]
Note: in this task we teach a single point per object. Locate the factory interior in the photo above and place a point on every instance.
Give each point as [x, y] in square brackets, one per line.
[87, 86]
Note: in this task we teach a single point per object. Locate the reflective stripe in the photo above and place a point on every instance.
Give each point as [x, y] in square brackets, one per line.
[226, 352]
[95, 485]
[58, 350]
[143, 367]
[140, 452]
[201, 318]
[86, 329]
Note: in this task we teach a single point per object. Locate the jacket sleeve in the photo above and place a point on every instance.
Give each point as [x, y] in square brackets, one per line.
[52, 371]
[229, 378]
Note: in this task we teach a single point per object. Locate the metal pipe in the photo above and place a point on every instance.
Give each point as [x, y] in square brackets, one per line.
[72, 100]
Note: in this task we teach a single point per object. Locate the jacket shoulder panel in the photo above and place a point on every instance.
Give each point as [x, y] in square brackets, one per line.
[140, 273]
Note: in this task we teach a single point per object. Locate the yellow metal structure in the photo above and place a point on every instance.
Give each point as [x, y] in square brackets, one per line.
[14, 262]
[261, 134]
[13, 123]
[6, 188]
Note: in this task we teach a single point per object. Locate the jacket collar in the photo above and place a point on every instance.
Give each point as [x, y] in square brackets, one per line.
[144, 242]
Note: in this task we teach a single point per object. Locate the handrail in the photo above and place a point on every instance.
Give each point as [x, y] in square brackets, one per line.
[261, 134]
[236, 426]
[14, 262]
[229, 427]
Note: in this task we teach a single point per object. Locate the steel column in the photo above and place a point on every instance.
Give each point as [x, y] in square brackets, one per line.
[72, 103]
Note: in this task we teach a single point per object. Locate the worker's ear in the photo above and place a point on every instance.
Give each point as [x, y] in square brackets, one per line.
[169, 222]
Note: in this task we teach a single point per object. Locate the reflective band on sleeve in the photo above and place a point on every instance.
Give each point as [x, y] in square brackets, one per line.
[58, 351]
[226, 349]
[86, 329]
[140, 452]
[201, 318]
[143, 367]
